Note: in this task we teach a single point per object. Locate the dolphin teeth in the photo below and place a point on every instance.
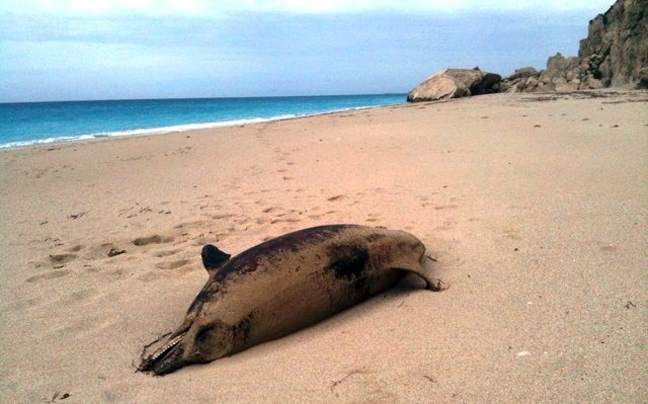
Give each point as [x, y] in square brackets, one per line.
[173, 342]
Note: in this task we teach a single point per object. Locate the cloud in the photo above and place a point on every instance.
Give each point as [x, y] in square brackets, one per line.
[98, 49]
[94, 8]
[425, 6]
[218, 7]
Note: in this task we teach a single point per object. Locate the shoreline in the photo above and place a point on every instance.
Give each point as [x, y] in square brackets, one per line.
[198, 127]
[187, 127]
[533, 205]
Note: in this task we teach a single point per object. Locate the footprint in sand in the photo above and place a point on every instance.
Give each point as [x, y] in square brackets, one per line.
[443, 207]
[47, 275]
[172, 264]
[155, 239]
[58, 259]
[222, 216]
[336, 198]
[166, 253]
[107, 250]
[24, 304]
[81, 295]
[288, 220]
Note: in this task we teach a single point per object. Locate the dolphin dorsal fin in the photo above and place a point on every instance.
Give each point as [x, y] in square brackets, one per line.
[213, 258]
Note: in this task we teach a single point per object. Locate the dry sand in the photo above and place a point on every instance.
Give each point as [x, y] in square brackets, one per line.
[535, 207]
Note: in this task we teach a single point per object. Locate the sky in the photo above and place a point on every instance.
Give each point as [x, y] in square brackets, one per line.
[58, 50]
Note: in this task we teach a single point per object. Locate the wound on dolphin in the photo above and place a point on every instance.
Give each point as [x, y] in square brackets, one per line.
[283, 285]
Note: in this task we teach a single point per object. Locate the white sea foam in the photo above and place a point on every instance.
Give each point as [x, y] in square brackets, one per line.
[142, 132]
[175, 128]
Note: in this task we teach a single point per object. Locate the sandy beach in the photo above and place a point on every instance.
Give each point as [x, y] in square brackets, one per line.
[535, 207]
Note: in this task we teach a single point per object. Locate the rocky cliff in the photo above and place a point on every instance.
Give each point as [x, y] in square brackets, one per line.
[614, 54]
[616, 48]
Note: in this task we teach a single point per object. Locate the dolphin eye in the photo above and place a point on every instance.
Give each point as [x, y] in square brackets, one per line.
[211, 341]
[202, 336]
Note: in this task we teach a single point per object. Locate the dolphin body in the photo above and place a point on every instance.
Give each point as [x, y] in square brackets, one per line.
[285, 284]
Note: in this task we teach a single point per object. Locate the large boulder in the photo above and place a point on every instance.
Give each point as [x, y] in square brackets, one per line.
[455, 83]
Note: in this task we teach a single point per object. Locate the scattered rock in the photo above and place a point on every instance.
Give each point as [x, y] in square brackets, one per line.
[524, 72]
[559, 74]
[522, 80]
[115, 252]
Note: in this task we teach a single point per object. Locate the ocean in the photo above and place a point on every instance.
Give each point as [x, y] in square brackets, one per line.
[23, 124]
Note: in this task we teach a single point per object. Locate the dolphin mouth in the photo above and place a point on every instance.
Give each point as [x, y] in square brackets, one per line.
[166, 359]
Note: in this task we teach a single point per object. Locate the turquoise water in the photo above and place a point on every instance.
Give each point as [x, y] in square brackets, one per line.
[23, 124]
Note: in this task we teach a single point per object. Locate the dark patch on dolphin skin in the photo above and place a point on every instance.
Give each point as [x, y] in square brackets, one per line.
[250, 259]
[348, 261]
[212, 257]
[362, 287]
[374, 237]
[242, 329]
[206, 293]
[241, 333]
[203, 334]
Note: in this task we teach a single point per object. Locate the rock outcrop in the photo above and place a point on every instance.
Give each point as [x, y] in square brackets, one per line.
[614, 54]
[526, 79]
[616, 47]
[455, 83]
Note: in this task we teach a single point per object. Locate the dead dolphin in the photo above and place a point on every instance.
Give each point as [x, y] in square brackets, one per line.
[283, 285]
